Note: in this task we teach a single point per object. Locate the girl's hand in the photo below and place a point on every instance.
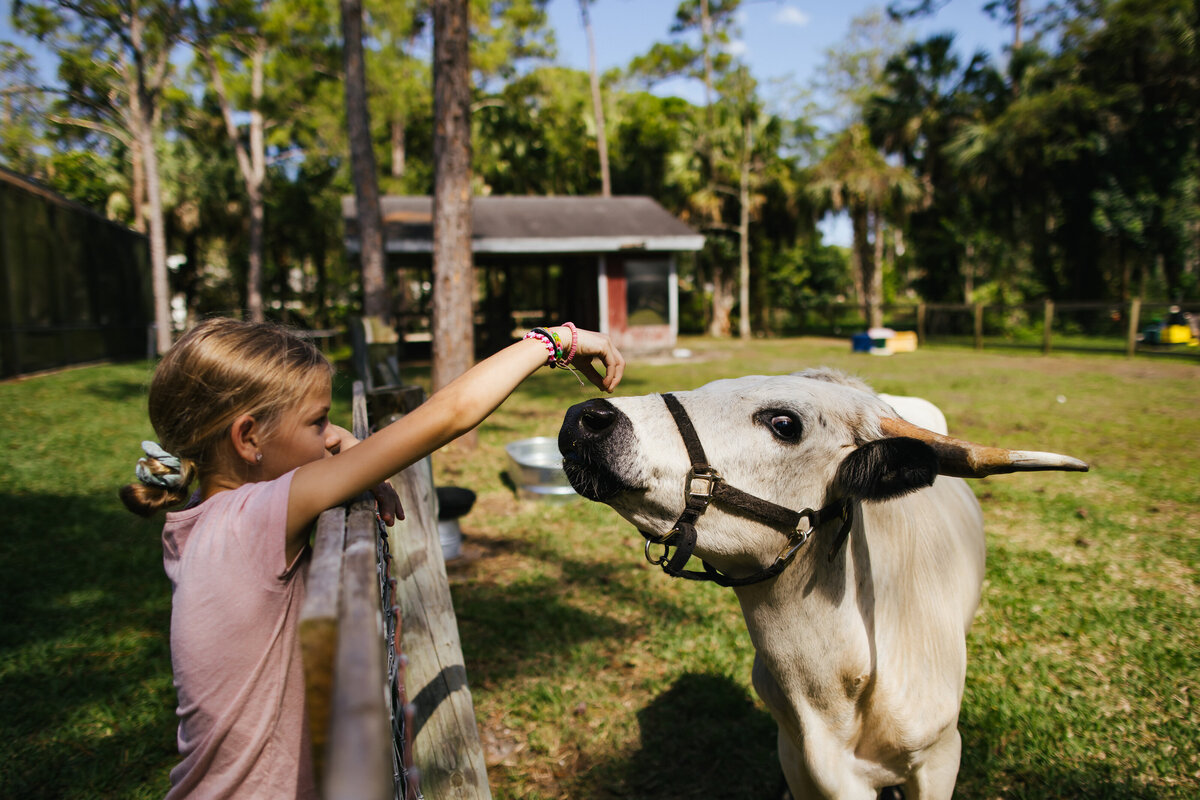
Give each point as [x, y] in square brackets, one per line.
[338, 439]
[592, 345]
[387, 502]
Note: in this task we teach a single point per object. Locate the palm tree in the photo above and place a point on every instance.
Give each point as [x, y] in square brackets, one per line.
[856, 178]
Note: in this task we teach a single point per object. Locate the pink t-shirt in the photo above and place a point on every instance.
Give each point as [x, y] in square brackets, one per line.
[235, 649]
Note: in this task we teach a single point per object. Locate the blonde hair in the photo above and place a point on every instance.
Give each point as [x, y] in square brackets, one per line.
[219, 370]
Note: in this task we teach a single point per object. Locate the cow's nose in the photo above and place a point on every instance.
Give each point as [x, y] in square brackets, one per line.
[597, 416]
[586, 424]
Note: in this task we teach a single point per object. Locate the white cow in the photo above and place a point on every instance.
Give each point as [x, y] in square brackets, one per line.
[858, 611]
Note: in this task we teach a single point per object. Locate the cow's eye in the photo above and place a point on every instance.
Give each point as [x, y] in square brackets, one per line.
[785, 426]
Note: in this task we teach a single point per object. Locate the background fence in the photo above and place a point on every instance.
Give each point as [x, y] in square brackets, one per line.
[1046, 326]
[74, 287]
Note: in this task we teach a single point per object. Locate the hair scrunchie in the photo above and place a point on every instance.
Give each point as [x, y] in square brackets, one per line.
[169, 480]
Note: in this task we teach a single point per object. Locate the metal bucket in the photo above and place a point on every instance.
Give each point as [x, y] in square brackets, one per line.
[535, 466]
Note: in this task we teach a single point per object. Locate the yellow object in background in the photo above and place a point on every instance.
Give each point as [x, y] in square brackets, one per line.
[903, 342]
[1175, 334]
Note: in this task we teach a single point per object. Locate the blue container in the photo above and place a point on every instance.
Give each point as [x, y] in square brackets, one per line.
[861, 343]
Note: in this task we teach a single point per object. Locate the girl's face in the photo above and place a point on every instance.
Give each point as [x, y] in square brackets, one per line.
[302, 434]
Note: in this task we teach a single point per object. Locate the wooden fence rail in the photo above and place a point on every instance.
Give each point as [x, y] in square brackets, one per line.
[345, 651]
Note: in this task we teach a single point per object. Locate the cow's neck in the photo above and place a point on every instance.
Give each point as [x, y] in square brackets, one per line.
[812, 627]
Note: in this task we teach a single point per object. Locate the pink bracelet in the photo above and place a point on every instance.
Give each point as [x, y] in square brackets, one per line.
[547, 341]
[574, 342]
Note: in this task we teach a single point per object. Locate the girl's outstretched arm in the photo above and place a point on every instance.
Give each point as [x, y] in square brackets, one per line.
[452, 411]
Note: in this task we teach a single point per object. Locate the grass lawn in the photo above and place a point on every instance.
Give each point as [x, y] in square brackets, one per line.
[596, 676]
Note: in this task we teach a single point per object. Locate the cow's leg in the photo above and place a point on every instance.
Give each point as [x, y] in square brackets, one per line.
[803, 787]
[799, 781]
[934, 778]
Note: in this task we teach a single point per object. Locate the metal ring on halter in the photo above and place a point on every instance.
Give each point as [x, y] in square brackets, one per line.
[663, 558]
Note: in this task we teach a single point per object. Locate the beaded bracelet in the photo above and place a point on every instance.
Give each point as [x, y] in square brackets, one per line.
[574, 342]
[545, 338]
[559, 348]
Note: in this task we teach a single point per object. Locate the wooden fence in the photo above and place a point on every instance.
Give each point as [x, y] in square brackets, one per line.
[1046, 326]
[374, 714]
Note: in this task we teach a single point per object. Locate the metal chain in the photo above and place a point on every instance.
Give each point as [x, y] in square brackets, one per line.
[404, 775]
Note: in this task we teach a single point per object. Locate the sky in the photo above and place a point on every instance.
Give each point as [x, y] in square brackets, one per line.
[780, 38]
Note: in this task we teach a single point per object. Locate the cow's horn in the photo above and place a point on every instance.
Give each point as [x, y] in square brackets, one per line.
[968, 460]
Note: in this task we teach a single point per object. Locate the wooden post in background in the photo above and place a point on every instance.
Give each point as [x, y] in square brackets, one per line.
[979, 326]
[1047, 326]
[1135, 311]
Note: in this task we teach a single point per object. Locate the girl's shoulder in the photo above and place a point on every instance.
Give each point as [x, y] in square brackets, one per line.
[274, 490]
[250, 519]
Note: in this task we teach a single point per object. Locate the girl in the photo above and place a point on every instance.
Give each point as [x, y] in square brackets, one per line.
[243, 409]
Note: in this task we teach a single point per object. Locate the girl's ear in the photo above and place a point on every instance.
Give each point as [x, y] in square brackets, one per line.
[887, 468]
[245, 435]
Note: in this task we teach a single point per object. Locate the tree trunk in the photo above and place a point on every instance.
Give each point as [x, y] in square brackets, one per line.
[875, 300]
[143, 116]
[744, 233]
[1018, 24]
[453, 271]
[722, 303]
[597, 103]
[137, 191]
[858, 267]
[251, 162]
[254, 186]
[722, 298]
[399, 155]
[377, 301]
[969, 273]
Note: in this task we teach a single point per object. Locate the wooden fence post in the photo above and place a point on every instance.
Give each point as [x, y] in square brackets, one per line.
[979, 326]
[345, 661]
[1047, 326]
[921, 324]
[1135, 311]
[447, 748]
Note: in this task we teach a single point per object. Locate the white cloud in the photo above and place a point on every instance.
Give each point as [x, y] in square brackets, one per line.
[736, 47]
[790, 15]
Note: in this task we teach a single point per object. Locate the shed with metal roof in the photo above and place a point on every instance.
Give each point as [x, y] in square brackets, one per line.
[608, 263]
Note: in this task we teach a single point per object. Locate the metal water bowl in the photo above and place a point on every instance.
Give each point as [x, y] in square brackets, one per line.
[535, 466]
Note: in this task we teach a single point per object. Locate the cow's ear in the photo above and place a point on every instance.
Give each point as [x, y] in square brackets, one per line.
[887, 468]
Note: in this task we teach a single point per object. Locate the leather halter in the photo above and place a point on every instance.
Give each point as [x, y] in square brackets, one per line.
[704, 485]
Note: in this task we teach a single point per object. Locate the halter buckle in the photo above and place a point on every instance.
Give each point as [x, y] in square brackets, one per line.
[797, 540]
[700, 483]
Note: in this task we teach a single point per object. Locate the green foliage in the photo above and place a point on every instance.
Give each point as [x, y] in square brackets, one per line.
[1073, 173]
[1085, 163]
[534, 138]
